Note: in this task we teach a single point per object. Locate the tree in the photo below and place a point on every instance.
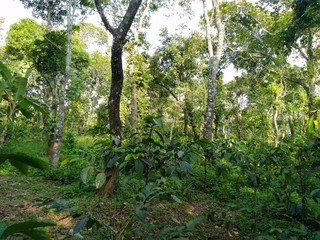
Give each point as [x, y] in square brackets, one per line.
[63, 84]
[52, 12]
[119, 34]
[302, 34]
[214, 60]
[13, 89]
[176, 78]
[21, 38]
[133, 50]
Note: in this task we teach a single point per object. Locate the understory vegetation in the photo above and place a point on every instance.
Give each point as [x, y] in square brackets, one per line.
[211, 134]
[174, 188]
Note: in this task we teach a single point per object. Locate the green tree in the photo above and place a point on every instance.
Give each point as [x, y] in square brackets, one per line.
[53, 12]
[176, 78]
[20, 40]
[214, 61]
[13, 89]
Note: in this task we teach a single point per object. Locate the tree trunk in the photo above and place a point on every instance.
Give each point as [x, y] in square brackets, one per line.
[62, 94]
[116, 88]
[275, 126]
[4, 133]
[214, 60]
[119, 34]
[134, 102]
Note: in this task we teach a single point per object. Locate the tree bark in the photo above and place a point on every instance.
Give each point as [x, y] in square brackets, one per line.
[119, 34]
[134, 102]
[214, 60]
[62, 94]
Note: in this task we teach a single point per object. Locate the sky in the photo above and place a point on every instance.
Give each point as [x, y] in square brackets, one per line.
[12, 11]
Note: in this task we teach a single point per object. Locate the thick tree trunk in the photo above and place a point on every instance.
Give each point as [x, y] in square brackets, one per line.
[116, 87]
[214, 60]
[62, 94]
[119, 35]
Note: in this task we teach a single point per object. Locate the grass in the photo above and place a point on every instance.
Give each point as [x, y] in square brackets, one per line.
[22, 198]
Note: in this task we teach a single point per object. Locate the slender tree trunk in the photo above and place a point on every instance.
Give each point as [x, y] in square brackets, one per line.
[134, 102]
[312, 68]
[214, 60]
[275, 126]
[291, 126]
[62, 94]
[4, 133]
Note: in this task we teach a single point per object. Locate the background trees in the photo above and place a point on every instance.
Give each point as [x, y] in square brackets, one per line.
[179, 122]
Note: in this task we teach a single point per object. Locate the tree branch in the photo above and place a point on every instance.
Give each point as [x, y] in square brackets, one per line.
[127, 20]
[169, 90]
[104, 18]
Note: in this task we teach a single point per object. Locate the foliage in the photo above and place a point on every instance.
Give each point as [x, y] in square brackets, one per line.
[22, 161]
[258, 178]
[27, 228]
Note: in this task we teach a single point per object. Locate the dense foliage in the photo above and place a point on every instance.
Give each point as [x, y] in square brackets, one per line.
[258, 178]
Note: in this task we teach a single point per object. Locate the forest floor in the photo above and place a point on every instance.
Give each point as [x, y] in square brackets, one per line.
[29, 197]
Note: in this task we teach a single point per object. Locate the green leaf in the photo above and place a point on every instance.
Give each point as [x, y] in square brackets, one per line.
[20, 160]
[100, 180]
[141, 214]
[180, 154]
[36, 234]
[116, 141]
[36, 104]
[158, 122]
[22, 167]
[139, 167]
[265, 237]
[193, 223]
[1, 89]
[86, 174]
[315, 194]
[1, 231]
[253, 178]
[80, 225]
[159, 135]
[5, 72]
[112, 162]
[311, 126]
[27, 228]
[175, 198]
[22, 87]
[187, 167]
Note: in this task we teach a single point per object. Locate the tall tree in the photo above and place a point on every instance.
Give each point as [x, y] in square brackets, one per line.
[63, 83]
[52, 12]
[214, 61]
[136, 30]
[119, 34]
[302, 35]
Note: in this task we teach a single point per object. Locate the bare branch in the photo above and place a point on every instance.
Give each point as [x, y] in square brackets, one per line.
[103, 17]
